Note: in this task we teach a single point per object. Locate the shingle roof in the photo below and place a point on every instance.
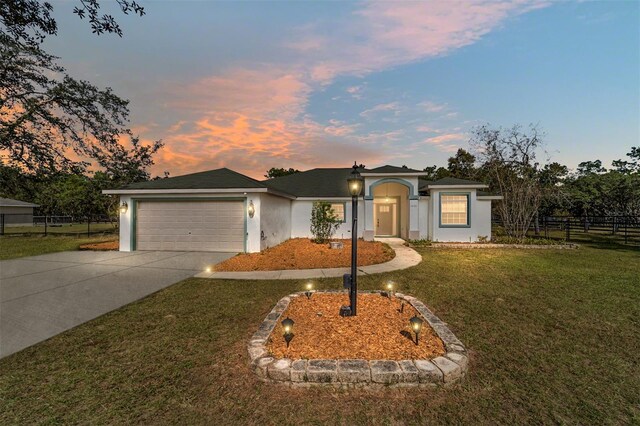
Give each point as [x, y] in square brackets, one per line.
[391, 169]
[447, 181]
[8, 202]
[314, 183]
[212, 179]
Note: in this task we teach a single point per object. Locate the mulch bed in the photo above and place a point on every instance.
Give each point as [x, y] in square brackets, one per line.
[302, 253]
[106, 246]
[379, 331]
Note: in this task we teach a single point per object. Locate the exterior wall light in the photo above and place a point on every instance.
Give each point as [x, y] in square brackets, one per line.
[309, 291]
[416, 326]
[251, 209]
[124, 207]
[287, 325]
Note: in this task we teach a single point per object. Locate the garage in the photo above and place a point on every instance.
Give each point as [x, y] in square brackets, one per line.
[190, 225]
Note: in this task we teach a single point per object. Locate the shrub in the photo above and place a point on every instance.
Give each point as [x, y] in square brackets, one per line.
[324, 222]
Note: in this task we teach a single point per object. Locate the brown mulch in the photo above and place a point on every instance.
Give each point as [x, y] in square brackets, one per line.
[106, 246]
[379, 331]
[302, 253]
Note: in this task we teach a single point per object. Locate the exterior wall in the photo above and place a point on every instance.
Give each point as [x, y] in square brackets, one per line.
[17, 216]
[479, 218]
[275, 220]
[253, 241]
[423, 225]
[301, 218]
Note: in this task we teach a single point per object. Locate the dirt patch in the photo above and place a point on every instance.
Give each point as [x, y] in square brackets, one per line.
[379, 331]
[106, 246]
[302, 253]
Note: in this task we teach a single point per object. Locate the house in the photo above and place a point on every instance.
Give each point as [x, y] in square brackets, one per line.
[16, 212]
[222, 210]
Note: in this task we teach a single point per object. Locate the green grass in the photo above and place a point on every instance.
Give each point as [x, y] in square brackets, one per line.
[12, 247]
[75, 228]
[553, 335]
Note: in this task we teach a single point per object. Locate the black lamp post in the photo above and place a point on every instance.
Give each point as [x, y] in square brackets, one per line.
[287, 325]
[351, 280]
[416, 325]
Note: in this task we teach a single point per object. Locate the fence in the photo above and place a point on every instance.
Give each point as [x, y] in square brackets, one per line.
[27, 224]
[620, 229]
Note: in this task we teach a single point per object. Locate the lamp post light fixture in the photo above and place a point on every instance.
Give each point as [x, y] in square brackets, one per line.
[309, 291]
[251, 209]
[287, 325]
[416, 326]
[124, 207]
[350, 281]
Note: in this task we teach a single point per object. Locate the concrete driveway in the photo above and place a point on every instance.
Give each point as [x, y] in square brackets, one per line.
[42, 296]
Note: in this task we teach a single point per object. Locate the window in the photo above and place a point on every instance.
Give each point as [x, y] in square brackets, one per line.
[338, 210]
[384, 208]
[454, 210]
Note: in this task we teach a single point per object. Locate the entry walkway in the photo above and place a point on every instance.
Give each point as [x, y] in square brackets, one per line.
[406, 257]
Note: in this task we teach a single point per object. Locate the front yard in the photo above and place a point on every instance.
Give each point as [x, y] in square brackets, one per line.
[12, 247]
[553, 336]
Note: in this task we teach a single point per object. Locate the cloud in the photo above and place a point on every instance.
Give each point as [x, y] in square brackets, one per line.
[255, 117]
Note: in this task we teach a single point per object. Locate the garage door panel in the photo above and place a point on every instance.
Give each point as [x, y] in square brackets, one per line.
[190, 225]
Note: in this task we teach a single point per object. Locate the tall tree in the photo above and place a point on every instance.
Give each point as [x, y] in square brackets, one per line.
[49, 121]
[462, 165]
[509, 158]
[275, 172]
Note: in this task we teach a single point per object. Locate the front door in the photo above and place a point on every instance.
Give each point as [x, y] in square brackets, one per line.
[384, 219]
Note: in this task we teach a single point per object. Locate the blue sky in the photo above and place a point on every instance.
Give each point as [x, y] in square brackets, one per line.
[254, 85]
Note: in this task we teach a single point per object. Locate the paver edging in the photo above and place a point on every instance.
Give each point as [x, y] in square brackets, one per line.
[443, 370]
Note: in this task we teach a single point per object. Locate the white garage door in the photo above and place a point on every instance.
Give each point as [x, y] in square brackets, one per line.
[190, 225]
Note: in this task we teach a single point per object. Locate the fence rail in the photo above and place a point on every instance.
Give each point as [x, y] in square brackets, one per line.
[617, 228]
[15, 224]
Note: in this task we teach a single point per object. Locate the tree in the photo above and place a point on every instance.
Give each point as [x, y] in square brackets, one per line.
[462, 165]
[324, 222]
[275, 172]
[509, 158]
[48, 118]
[435, 173]
[590, 167]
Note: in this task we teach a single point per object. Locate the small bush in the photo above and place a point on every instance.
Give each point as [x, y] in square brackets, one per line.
[324, 222]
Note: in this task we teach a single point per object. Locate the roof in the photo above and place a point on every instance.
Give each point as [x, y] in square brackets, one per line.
[314, 183]
[8, 202]
[391, 170]
[448, 181]
[213, 179]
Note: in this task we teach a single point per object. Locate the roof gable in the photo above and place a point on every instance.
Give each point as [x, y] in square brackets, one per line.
[8, 202]
[212, 179]
[392, 170]
[314, 183]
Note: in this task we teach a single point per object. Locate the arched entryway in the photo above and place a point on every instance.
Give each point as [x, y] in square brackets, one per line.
[391, 209]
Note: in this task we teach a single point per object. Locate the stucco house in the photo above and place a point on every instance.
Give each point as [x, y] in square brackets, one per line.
[222, 210]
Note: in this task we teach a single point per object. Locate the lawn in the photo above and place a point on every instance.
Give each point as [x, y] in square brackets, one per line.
[14, 247]
[554, 337]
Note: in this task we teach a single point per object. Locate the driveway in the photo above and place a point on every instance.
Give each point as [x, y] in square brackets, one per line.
[42, 296]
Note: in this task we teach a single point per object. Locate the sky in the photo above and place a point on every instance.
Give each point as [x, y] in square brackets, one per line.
[254, 85]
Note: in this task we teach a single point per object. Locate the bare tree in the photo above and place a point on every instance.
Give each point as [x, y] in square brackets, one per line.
[508, 157]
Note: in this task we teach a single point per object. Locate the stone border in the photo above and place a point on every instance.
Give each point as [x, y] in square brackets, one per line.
[446, 369]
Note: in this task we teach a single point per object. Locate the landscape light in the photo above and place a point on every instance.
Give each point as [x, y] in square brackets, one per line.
[208, 269]
[251, 209]
[309, 291]
[124, 207]
[287, 325]
[389, 286]
[416, 325]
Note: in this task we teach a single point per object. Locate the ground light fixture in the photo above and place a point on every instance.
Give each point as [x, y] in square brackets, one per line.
[416, 325]
[309, 290]
[208, 269]
[350, 281]
[287, 325]
[124, 207]
[251, 209]
[390, 286]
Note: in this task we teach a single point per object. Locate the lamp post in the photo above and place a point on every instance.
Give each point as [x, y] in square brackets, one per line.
[351, 281]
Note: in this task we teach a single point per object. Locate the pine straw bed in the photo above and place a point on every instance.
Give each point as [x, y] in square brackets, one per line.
[379, 331]
[302, 253]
